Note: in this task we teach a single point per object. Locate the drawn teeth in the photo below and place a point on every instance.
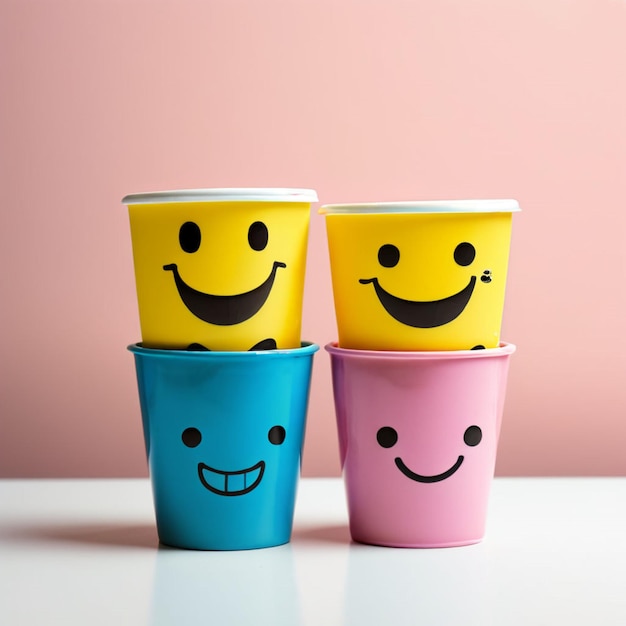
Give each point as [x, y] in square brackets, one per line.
[231, 483]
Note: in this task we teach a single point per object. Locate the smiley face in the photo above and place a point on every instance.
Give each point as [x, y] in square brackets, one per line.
[425, 314]
[387, 437]
[433, 281]
[220, 275]
[236, 482]
[223, 310]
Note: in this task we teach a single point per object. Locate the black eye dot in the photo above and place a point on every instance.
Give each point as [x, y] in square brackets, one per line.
[276, 435]
[464, 253]
[189, 237]
[386, 437]
[191, 437]
[258, 236]
[473, 436]
[388, 255]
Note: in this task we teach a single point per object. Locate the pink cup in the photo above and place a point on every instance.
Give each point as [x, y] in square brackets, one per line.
[418, 434]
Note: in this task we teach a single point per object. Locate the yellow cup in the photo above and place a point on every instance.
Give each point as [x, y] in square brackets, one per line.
[419, 275]
[220, 269]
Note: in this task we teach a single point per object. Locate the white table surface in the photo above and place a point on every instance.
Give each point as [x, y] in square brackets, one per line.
[86, 552]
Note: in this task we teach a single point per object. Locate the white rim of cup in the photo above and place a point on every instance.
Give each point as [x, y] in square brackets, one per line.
[226, 194]
[424, 206]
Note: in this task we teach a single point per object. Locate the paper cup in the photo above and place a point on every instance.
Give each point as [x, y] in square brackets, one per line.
[419, 275]
[220, 269]
[418, 434]
[224, 433]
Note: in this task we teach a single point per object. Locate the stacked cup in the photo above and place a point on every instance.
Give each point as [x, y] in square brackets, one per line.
[419, 371]
[222, 373]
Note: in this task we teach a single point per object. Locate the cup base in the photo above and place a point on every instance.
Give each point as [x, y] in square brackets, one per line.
[182, 545]
[418, 545]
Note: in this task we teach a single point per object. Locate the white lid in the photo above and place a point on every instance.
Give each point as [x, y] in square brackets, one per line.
[246, 194]
[425, 206]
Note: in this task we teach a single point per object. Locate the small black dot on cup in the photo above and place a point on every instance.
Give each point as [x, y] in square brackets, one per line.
[387, 437]
[189, 237]
[464, 254]
[276, 435]
[388, 255]
[191, 437]
[473, 436]
[258, 236]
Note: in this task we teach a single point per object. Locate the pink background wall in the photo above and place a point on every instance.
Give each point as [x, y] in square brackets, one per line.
[360, 100]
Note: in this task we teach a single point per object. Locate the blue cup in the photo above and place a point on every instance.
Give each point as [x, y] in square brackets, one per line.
[224, 433]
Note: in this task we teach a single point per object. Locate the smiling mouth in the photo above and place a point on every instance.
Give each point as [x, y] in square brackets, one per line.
[224, 310]
[231, 483]
[426, 314]
[427, 479]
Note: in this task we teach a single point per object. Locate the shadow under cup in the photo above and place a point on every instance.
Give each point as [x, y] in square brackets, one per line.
[224, 433]
[418, 435]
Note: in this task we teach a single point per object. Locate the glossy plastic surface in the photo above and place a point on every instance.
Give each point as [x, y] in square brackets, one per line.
[224, 435]
[418, 435]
